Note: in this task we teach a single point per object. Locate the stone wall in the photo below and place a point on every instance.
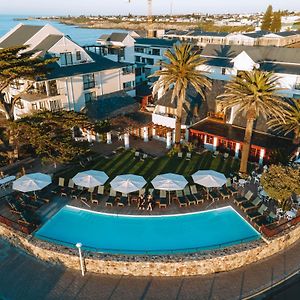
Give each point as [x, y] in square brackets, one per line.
[192, 264]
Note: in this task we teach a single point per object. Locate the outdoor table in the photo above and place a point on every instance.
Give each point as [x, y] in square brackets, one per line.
[7, 179]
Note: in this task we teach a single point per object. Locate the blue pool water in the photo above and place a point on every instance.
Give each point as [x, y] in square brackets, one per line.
[120, 234]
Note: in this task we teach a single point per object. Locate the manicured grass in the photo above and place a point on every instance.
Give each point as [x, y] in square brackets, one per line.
[125, 162]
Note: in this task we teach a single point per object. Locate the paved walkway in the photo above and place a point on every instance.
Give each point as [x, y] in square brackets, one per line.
[24, 277]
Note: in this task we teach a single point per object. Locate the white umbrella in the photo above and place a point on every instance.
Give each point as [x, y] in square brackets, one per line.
[169, 182]
[32, 182]
[209, 178]
[90, 179]
[128, 183]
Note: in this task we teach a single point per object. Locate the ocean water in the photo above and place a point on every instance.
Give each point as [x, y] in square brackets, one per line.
[82, 36]
[121, 234]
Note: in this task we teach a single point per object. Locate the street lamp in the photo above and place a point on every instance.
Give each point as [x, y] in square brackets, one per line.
[79, 245]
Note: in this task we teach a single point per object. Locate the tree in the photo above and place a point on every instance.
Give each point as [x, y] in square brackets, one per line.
[17, 64]
[267, 19]
[180, 72]
[276, 22]
[254, 95]
[281, 183]
[291, 122]
[49, 135]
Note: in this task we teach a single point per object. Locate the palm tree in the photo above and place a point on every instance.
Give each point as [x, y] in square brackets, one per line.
[291, 122]
[180, 72]
[254, 93]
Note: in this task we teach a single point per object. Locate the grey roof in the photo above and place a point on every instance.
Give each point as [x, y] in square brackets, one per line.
[176, 32]
[100, 64]
[117, 37]
[206, 33]
[156, 42]
[110, 105]
[20, 36]
[288, 33]
[280, 68]
[257, 34]
[104, 37]
[219, 62]
[47, 43]
[257, 53]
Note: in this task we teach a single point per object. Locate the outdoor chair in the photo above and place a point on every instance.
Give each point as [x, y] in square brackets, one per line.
[198, 195]
[240, 199]
[180, 198]
[87, 194]
[69, 189]
[224, 193]
[112, 198]
[214, 195]
[232, 190]
[261, 222]
[188, 156]
[123, 201]
[250, 204]
[215, 154]
[162, 200]
[76, 193]
[96, 197]
[61, 185]
[179, 154]
[189, 197]
[252, 215]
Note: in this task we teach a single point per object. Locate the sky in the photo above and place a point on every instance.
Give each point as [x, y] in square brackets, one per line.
[103, 7]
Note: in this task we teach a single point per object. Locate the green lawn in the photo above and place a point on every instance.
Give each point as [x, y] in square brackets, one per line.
[125, 162]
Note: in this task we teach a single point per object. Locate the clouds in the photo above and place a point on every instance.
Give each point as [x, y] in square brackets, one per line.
[95, 7]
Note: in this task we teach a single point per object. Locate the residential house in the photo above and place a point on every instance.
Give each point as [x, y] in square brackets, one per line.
[78, 77]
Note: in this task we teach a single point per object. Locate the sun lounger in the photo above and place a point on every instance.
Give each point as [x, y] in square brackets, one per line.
[224, 193]
[123, 201]
[61, 185]
[77, 192]
[231, 189]
[162, 200]
[87, 194]
[240, 199]
[181, 199]
[261, 221]
[179, 154]
[250, 204]
[111, 199]
[257, 213]
[214, 195]
[69, 189]
[96, 197]
[198, 195]
[188, 156]
[189, 197]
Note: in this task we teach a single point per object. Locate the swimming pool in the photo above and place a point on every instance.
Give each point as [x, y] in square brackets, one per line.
[123, 234]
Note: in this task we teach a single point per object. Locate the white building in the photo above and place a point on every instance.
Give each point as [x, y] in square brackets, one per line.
[76, 78]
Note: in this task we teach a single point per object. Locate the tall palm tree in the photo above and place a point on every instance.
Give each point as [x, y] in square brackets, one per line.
[291, 122]
[180, 72]
[254, 93]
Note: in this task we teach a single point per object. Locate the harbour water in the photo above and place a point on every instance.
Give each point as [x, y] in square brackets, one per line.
[82, 36]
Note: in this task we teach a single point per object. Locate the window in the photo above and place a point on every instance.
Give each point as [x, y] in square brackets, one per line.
[66, 59]
[128, 85]
[223, 71]
[127, 70]
[139, 49]
[155, 51]
[33, 106]
[78, 55]
[297, 85]
[42, 105]
[89, 97]
[137, 59]
[88, 81]
[52, 88]
[55, 105]
[150, 61]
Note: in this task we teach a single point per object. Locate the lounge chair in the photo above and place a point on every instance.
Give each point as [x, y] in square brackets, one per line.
[198, 195]
[99, 195]
[250, 204]
[112, 198]
[189, 197]
[257, 213]
[181, 199]
[179, 154]
[240, 199]
[61, 185]
[214, 195]
[188, 156]
[224, 193]
[261, 221]
[215, 154]
[76, 193]
[123, 201]
[162, 200]
[231, 189]
[87, 194]
[69, 189]
[137, 155]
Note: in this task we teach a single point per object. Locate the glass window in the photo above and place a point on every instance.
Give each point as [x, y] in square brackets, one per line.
[139, 49]
[55, 105]
[155, 51]
[128, 85]
[137, 59]
[66, 59]
[88, 97]
[78, 55]
[88, 81]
